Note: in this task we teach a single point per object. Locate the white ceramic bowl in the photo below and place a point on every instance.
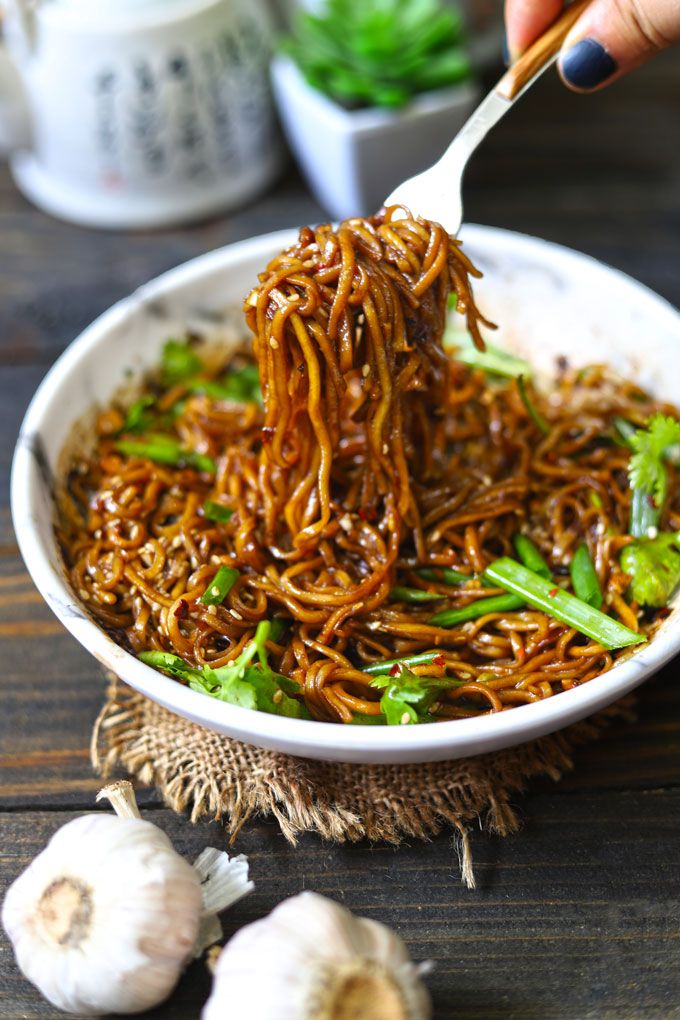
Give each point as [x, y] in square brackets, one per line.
[549, 300]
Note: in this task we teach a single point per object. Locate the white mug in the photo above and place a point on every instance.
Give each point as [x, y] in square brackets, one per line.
[138, 113]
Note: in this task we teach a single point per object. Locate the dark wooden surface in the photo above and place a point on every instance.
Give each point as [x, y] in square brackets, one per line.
[578, 915]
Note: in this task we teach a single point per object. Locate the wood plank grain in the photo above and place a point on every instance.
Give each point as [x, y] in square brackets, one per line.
[578, 916]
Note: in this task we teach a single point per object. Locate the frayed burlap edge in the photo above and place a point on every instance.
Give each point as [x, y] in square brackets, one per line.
[210, 776]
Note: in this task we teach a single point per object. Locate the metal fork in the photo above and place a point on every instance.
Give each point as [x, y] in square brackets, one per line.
[436, 194]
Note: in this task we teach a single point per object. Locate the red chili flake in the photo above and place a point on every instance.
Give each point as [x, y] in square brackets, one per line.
[439, 660]
[182, 610]
[396, 669]
[267, 434]
[368, 513]
[663, 612]
[553, 592]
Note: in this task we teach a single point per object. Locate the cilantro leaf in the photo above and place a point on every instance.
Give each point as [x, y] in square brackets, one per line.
[654, 566]
[647, 472]
[241, 682]
[407, 697]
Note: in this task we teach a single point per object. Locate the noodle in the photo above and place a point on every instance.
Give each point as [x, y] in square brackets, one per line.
[374, 456]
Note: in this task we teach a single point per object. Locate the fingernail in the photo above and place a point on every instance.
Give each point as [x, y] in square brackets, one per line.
[506, 51]
[587, 64]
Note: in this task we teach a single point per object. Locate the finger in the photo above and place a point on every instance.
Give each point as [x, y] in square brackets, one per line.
[614, 36]
[525, 20]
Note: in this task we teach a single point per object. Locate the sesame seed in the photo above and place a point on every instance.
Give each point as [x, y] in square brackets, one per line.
[652, 532]
[405, 719]
[277, 697]
[215, 590]
[273, 343]
[237, 616]
[212, 610]
[84, 595]
[385, 448]
[176, 542]
[366, 370]
[345, 523]
[434, 707]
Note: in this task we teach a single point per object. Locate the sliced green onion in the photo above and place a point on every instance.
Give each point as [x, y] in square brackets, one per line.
[530, 556]
[399, 594]
[241, 385]
[584, 578]
[137, 420]
[278, 628]
[533, 412]
[492, 604]
[625, 429]
[493, 359]
[384, 667]
[444, 575]
[199, 461]
[453, 301]
[541, 594]
[595, 499]
[217, 511]
[165, 449]
[220, 586]
[156, 446]
[178, 362]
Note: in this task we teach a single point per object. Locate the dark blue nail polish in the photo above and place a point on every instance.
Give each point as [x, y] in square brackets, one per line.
[506, 52]
[587, 64]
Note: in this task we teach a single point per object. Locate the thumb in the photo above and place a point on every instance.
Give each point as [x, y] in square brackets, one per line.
[613, 36]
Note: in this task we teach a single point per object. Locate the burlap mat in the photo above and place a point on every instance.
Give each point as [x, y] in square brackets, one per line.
[208, 775]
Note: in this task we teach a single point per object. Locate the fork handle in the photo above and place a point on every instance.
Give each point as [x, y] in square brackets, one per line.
[540, 53]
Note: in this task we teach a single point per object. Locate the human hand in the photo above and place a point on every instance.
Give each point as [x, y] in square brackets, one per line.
[609, 39]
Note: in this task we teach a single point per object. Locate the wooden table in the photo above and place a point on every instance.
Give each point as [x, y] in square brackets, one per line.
[578, 915]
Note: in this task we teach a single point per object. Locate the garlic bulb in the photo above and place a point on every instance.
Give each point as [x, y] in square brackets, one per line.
[321, 963]
[107, 916]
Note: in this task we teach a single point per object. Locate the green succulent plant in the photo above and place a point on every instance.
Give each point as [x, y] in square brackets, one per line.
[379, 52]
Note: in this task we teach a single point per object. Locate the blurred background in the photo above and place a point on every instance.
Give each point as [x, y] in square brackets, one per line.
[139, 133]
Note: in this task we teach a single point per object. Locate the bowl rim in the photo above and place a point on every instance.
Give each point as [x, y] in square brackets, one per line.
[305, 738]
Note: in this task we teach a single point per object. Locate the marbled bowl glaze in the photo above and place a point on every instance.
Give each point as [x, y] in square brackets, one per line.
[548, 301]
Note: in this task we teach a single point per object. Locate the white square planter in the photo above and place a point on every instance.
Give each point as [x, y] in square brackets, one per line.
[352, 159]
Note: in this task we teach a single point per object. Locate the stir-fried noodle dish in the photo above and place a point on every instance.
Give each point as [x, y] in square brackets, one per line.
[365, 515]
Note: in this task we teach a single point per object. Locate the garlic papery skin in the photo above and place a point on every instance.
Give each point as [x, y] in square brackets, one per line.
[311, 959]
[105, 919]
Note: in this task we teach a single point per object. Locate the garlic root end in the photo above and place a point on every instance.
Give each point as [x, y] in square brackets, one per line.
[121, 797]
